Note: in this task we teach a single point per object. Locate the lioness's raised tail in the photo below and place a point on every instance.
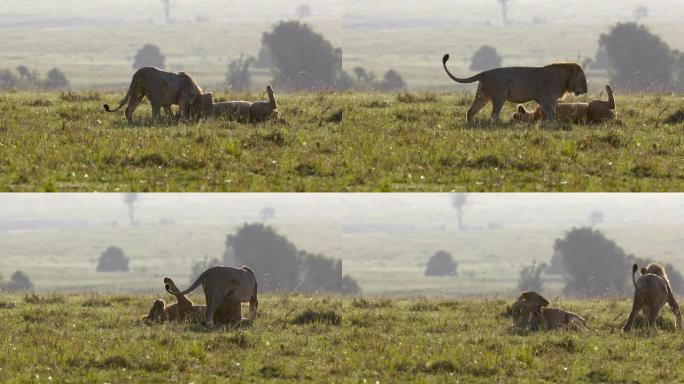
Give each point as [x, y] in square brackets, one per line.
[456, 79]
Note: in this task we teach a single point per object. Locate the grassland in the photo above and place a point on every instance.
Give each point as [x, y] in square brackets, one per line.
[387, 142]
[87, 338]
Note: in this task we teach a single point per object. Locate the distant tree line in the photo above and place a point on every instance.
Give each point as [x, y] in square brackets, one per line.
[26, 79]
[279, 265]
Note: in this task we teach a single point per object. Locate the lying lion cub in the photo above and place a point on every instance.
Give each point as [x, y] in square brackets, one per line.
[248, 111]
[532, 306]
[595, 111]
[184, 309]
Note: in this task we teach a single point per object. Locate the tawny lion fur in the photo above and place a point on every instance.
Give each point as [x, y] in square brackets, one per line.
[225, 283]
[532, 312]
[185, 309]
[595, 111]
[241, 110]
[651, 291]
[163, 89]
[545, 85]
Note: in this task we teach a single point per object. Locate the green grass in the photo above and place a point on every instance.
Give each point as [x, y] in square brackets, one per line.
[387, 142]
[86, 338]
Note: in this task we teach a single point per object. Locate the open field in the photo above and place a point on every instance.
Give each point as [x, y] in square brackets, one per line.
[411, 37]
[387, 142]
[94, 42]
[86, 338]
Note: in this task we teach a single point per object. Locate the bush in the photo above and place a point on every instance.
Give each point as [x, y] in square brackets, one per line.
[19, 282]
[238, 77]
[149, 56]
[530, 277]
[639, 60]
[56, 79]
[441, 264]
[350, 286]
[485, 58]
[112, 260]
[392, 80]
[593, 265]
[266, 252]
[302, 58]
[320, 274]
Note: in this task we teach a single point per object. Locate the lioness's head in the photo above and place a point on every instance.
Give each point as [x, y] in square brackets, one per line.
[533, 300]
[202, 105]
[577, 83]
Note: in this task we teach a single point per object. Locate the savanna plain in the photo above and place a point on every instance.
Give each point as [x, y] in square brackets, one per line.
[86, 338]
[386, 142]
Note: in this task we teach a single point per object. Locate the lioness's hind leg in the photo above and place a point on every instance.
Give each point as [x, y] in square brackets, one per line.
[480, 101]
[132, 105]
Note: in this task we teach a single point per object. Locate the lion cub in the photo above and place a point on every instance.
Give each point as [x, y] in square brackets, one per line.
[248, 111]
[530, 308]
[595, 111]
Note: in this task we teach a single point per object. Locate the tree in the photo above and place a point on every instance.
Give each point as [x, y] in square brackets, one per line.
[239, 77]
[168, 7]
[640, 12]
[7, 79]
[320, 273]
[639, 60]
[266, 252]
[56, 79]
[505, 5]
[19, 281]
[149, 56]
[600, 61]
[303, 11]
[23, 72]
[441, 264]
[350, 286]
[530, 277]
[593, 265]
[130, 199]
[595, 217]
[263, 59]
[112, 259]
[485, 58]
[392, 81]
[302, 58]
[458, 200]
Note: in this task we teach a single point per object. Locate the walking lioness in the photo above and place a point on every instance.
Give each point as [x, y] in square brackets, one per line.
[225, 283]
[545, 85]
[163, 89]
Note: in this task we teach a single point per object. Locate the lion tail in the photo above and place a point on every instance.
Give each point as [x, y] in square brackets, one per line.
[634, 269]
[271, 98]
[253, 300]
[174, 291]
[126, 98]
[456, 79]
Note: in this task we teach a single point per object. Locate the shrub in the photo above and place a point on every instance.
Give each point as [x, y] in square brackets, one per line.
[149, 56]
[112, 260]
[56, 79]
[19, 282]
[392, 80]
[441, 264]
[485, 58]
[238, 77]
[530, 277]
[639, 60]
[302, 58]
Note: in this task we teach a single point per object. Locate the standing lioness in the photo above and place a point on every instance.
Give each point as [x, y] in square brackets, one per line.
[225, 283]
[163, 89]
[545, 85]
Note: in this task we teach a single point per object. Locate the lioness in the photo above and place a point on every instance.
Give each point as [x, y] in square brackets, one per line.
[531, 307]
[651, 291]
[595, 111]
[225, 283]
[545, 85]
[163, 89]
[243, 110]
[228, 311]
